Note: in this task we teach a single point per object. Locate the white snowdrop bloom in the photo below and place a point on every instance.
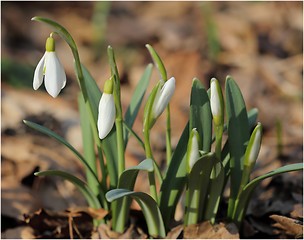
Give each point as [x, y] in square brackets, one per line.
[163, 97]
[106, 111]
[50, 70]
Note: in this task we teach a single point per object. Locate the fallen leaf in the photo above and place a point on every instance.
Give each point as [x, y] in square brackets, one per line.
[60, 224]
[18, 233]
[175, 232]
[297, 211]
[207, 230]
[288, 225]
[132, 232]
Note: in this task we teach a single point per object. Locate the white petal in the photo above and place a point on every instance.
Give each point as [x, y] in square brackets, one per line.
[194, 151]
[215, 100]
[106, 115]
[38, 75]
[54, 74]
[256, 146]
[163, 97]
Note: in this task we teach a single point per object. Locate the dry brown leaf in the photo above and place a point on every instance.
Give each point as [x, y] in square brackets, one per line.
[207, 230]
[175, 232]
[289, 226]
[18, 233]
[297, 211]
[132, 232]
[56, 224]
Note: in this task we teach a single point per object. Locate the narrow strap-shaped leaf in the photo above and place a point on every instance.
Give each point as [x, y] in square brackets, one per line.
[215, 189]
[82, 186]
[243, 200]
[200, 114]
[175, 179]
[94, 91]
[136, 101]
[198, 181]
[60, 139]
[158, 62]
[88, 144]
[148, 206]
[238, 136]
[126, 181]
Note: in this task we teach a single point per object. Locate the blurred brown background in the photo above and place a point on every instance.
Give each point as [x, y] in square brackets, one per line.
[260, 44]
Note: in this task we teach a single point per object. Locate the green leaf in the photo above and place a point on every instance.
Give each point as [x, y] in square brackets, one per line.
[88, 144]
[93, 90]
[126, 181]
[82, 186]
[158, 62]
[215, 189]
[175, 179]
[136, 101]
[148, 206]
[200, 114]
[242, 202]
[50, 133]
[59, 29]
[238, 136]
[198, 181]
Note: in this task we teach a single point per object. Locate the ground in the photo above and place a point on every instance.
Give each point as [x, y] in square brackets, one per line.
[260, 44]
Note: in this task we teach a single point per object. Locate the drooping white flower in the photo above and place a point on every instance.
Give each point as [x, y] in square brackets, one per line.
[193, 148]
[163, 97]
[50, 70]
[216, 102]
[106, 110]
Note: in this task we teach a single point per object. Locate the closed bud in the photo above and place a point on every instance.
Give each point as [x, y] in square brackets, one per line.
[254, 146]
[193, 149]
[216, 102]
[163, 97]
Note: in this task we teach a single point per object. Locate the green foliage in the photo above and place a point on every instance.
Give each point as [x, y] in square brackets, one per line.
[203, 184]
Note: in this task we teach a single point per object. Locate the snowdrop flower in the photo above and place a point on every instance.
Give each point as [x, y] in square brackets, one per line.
[216, 102]
[193, 148]
[163, 97]
[50, 70]
[106, 110]
[254, 146]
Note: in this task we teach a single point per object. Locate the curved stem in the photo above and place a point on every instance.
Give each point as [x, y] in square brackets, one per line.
[168, 136]
[149, 155]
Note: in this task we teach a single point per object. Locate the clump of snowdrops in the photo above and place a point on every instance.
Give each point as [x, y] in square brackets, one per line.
[200, 165]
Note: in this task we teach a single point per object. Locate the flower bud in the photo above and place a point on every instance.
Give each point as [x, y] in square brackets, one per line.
[193, 147]
[254, 146]
[216, 102]
[163, 97]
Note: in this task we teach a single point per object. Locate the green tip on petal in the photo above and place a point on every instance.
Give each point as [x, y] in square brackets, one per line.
[193, 148]
[254, 146]
[50, 44]
[108, 86]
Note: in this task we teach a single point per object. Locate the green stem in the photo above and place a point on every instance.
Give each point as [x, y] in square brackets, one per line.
[130, 130]
[120, 144]
[218, 140]
[244, 181]
[168, 136]
[148, 151]
[119, 116]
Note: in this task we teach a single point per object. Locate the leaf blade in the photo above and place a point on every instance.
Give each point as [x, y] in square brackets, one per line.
[149, 207]
[82, 186]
